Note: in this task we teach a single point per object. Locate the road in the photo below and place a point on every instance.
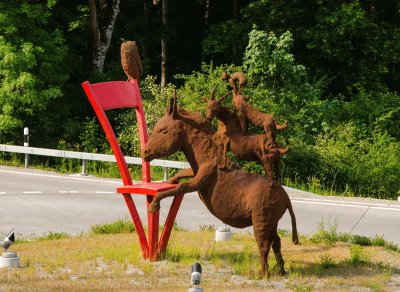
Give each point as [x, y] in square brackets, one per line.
[36, 202]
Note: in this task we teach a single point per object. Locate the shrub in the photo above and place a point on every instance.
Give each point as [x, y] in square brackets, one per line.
[118, 226]
[357, 256]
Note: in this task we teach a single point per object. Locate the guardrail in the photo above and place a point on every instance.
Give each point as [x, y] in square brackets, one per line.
[84, 156]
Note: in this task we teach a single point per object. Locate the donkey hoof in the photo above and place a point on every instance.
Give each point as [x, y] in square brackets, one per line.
[154, 207]
[282, 272]
[262, 274]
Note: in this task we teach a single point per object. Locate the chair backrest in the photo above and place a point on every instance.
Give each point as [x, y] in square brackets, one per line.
[113, 95]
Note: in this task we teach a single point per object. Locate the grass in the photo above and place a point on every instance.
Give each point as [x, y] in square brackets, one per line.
[111, 260]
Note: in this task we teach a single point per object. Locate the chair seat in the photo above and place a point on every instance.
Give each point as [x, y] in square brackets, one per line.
[151, 188]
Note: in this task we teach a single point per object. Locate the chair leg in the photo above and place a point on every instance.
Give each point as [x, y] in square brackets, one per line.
[169, 223]
[153, 226]
[138, 224]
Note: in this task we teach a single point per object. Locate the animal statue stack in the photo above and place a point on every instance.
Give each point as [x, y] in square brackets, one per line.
[244, 145]
[237, 198]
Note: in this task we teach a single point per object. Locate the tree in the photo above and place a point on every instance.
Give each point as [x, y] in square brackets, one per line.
[102, 27]
[164, 44]
[32, 68]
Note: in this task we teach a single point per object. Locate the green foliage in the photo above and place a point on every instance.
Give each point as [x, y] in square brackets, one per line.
[31, 62]
[226, 42]
[329, 236]
[327, 262]
[360, 160]
[357, 256]
[198, 86]
[53, 236]
[118, 226]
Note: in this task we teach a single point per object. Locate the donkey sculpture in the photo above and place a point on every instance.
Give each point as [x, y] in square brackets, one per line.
[250, 147]
[237, 198]
[248, 113]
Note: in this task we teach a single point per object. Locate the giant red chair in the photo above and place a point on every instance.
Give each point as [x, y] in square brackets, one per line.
[121, 94]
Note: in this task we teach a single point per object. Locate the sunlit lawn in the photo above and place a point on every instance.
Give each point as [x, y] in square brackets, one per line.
[114, 262]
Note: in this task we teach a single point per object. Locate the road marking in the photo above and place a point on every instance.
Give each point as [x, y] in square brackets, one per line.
[62, 177]
[386, 208]
[104, 192]
[68, 192]
[345, 204]
[33, 192]
[2, 193]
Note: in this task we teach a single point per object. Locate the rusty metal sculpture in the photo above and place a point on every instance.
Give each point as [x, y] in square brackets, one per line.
[130, 60]
[237, 198]
[248, 113]
[245, 146]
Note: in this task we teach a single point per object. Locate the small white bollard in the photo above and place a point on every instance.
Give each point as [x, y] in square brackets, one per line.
[223, 233]
[26, 144]
[9, 259]
[398, 198]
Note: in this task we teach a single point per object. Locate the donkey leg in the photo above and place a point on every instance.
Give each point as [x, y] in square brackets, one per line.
[203, 175]
[262, 233]
[276, 247]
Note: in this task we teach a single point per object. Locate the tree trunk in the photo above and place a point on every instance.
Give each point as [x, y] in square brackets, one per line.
[164, 44]
[207, 17]
[236, 9]
[146, 24]
[102, 27]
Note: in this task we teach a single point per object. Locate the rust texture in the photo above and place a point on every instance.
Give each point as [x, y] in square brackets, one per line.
[237, 198]
[130, 60]
[248, 113]
[246, 146]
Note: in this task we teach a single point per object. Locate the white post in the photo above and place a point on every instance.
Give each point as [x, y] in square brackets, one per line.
[165, 173]
[84, 170]
[26, 144]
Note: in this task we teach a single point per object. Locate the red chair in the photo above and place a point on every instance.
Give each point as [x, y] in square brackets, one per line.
[121, 94]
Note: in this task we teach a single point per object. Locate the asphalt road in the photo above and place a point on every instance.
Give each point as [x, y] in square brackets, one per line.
[36, 202]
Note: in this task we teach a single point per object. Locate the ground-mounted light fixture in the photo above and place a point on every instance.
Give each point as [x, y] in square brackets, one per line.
[9, 259]
[195, 278]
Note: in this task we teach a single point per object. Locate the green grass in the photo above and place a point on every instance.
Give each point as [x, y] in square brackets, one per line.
[118, 226]
[114, 262]
[329, 235]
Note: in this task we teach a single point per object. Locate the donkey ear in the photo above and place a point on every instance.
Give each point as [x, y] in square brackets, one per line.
[173, 107]
[223, 97]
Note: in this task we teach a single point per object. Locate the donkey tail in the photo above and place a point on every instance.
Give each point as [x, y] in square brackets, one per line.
[295, 237]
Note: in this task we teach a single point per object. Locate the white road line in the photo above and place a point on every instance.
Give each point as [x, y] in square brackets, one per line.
[2, 193]
[386, 208]
[61, 177]
[329, 204]
[345, 205]
[104, 192]
[345, 202]
[33, 192]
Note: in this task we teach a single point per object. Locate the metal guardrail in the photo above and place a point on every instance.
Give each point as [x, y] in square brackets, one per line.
[84, 156]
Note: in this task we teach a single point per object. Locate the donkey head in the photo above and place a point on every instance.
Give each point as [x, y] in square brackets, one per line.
[166, 136]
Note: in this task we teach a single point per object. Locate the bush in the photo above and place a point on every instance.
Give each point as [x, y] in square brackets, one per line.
[118, 226]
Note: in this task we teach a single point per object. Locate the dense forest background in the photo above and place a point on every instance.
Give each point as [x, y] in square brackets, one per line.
[331, 68]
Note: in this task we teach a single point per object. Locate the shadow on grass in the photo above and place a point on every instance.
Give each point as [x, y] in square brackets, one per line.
[343, 269]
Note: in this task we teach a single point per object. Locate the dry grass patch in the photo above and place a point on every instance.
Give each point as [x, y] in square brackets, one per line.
[113, 262]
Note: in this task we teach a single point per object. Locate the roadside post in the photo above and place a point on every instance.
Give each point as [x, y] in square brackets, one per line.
[26, 144]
